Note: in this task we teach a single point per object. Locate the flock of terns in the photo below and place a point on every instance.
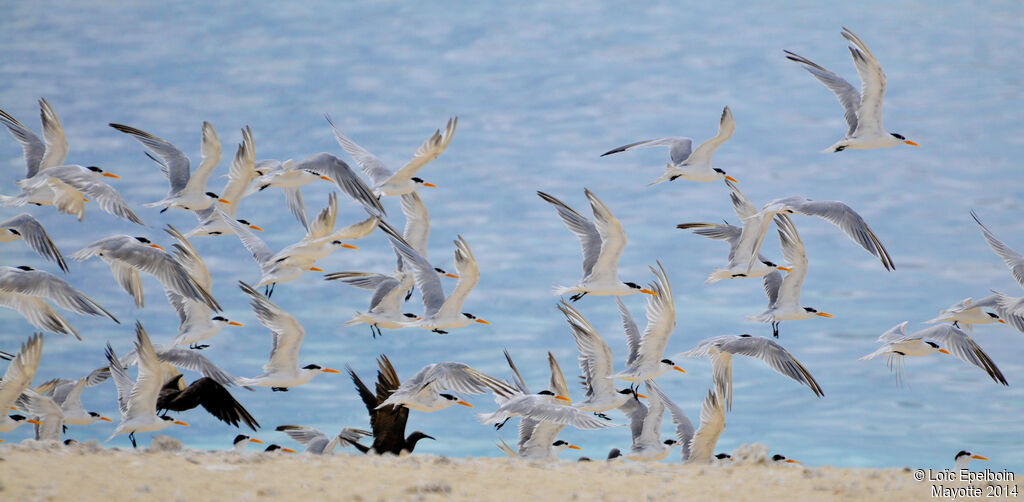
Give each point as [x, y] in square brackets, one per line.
[159, 386]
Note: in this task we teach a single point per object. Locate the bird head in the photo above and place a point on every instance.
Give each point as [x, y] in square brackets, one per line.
[455, 400]
[217, 197]
[936, 347]
[424, 183]
[250, 225]
[474, 318]
[672, 365]
[637, 287]
[319, 369]
[903, 139]
[101, 172]
[225, 320]
[724, 176]
[810, 310]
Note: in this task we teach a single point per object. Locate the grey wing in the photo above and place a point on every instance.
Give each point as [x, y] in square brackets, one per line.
[963, 347]
[772, 283]
[304, 435]
[651, 433]
[718, 231]
[847, 94]
[661, 318]
[595, 357]
[424, 273]
[293, 198]
[33, 233]
[844, 217]
[585, 230]
[712, 423]
[175, 164]
[171, 274]
[241, 172]
[613, 240]
[726, 127]
[323, 225]
[637, 413]
[194, 361]
[53, 136]
[211, 153]
[1009, 309]
[679, 147]
[557, 382]
[631, 331]
[103, 194]
[259, 249]
[517, 378]
[45, 284]
[328, 165]
[20, 372]
[684, 427]
[796, 257]
[549, 412]
[38, 313]
[775, 356]
[1012, 258]
[382, 290]
[288, 333]
[189, 258]
[417, 222]
[872, 82]
[372, 166]
[451, 376]
[431, 149]
[123, 383]
[32, 147]
[897, 332]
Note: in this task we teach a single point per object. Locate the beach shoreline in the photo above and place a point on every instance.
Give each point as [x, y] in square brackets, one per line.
[40, 471]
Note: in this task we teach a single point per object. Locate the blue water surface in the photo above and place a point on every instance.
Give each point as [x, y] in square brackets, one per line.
[541, 90]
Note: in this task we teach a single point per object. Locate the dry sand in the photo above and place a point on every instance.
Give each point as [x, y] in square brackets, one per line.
[39, 471]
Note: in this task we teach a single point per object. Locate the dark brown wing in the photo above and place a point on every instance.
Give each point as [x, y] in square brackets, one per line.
[213, 397]
[388, 423]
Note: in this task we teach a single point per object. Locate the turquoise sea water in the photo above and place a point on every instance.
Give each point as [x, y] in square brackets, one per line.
[541, 91]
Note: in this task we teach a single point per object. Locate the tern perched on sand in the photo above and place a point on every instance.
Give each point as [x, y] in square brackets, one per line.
[440, 313]
[27, 228]
[387, 183]
[694, 165]
[897, 344]
[23, 289]
[188, 188]
[864, 108]
[283, 370]
[295, 260]
[137, 400]
[241, 175]
[784, 294]
[241, 441]
[646, 360]
[720, 349]
[603, 241]
[16, 379]
[317, 442]
[962, 458]
[596, 365]
[128, 255]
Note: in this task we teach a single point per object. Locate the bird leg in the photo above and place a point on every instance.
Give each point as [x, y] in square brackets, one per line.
[279, 389]
[602, 415]
[956, 324]
[439, 331]
[164, 210]
[409, 294]
[269, 289]
[577, 296]
[502, 424]
[132, 437]
[196, 346]
[775, 329]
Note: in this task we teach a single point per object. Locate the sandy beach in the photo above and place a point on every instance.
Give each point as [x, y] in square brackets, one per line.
[39, 471]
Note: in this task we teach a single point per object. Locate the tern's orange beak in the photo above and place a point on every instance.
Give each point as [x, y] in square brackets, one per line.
[157, 246]
[481, 321]
[979, 457]
[652, 293]
[325, 178]
[254, 440]
[677, 368]
[315, 269]
[464, 404]
[349, 246]
[233, 323]
[33, 421]
[329, 370]
[825, 314]
[179, 422]
[787, 269]
[563, 398]
[112, 175]
[730, 178]
[911, 143]
[289, 450]
[431, 185]
[791, 461]
[85, 200]
[224, 201]
[14, 408]
[574, 447]
[105, 419]
[944, 351]
[254, 227]
[1002, 321]
[453, 276]
[641, 395]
